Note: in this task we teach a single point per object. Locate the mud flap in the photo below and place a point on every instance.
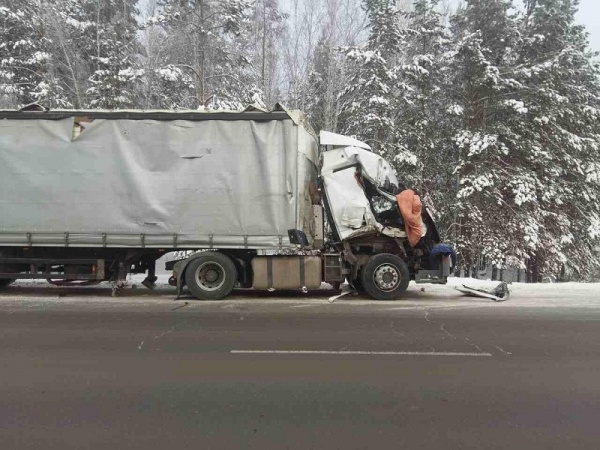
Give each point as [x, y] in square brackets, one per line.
[179, 268]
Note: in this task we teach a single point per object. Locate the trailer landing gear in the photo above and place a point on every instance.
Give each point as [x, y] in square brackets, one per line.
[150, 280]
[121, 282]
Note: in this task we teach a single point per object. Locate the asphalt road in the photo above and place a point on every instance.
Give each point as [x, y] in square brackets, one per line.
[81, 370]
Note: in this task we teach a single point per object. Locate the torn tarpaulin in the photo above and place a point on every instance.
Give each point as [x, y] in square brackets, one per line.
[499, 294]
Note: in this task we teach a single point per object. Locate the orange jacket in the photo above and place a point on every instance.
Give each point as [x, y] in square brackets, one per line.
[410, 207]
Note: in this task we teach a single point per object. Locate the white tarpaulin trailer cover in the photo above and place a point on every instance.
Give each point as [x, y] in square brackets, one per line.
[155, 179]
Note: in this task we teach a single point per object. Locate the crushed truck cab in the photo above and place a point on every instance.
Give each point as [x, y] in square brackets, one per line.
[364, 203]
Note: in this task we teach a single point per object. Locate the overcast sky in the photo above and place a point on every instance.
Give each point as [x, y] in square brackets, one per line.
[589, 15]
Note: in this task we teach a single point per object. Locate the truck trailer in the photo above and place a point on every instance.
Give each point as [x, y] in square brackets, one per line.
[251, 199]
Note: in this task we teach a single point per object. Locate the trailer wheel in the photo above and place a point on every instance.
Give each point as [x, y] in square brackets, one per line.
[6, 281]
[385, 277]
[211, 276]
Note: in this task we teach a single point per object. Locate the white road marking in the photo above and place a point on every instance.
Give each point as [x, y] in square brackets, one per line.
[504, 351]
[354, 352]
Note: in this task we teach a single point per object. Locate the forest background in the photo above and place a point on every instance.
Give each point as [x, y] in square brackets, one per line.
[489, 109]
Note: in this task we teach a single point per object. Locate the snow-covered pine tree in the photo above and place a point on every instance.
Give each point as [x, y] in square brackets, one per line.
[370, 102]
[113, 27]
[558, 177]
[489, 221]
[26, 73]
[326, 82]
[528, 168]
[492, 19]
[427, 117]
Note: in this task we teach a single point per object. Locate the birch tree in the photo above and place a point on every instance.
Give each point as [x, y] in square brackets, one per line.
[207, 40]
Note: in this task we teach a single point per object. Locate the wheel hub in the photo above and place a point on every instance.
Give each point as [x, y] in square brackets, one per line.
[386, 277]
[211, 276]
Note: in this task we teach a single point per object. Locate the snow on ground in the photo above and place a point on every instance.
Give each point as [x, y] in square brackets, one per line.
[538, 290]
[418, 297]
[527, 294]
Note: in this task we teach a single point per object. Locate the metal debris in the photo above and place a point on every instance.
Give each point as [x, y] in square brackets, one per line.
[498, 294]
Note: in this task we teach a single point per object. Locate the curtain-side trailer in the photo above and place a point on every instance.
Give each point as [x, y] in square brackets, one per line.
[251, 198]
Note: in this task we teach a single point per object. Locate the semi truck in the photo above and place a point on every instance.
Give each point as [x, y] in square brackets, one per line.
[251, 199]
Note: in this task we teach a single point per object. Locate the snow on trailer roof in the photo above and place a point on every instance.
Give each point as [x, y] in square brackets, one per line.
[37, 112]
[145, 115]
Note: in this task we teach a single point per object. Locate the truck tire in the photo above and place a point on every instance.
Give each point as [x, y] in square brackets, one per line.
[6, 281]
[211, 276]
[385, 277]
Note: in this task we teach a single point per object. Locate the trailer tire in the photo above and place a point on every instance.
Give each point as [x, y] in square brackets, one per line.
[4, 282]
[211, 276]
[385, 277]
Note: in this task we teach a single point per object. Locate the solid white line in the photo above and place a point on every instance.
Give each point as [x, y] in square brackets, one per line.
[350, 352]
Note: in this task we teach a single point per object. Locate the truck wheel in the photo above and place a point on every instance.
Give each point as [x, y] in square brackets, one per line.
[211, 276]
[6, 281]
[385, 277]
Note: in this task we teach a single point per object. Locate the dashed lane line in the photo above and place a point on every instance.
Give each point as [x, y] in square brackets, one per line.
[354, 352]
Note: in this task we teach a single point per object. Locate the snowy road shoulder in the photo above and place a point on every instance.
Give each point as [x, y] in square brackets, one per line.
[28, 294]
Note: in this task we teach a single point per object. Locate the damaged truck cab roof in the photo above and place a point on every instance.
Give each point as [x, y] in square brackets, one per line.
[349, 204]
